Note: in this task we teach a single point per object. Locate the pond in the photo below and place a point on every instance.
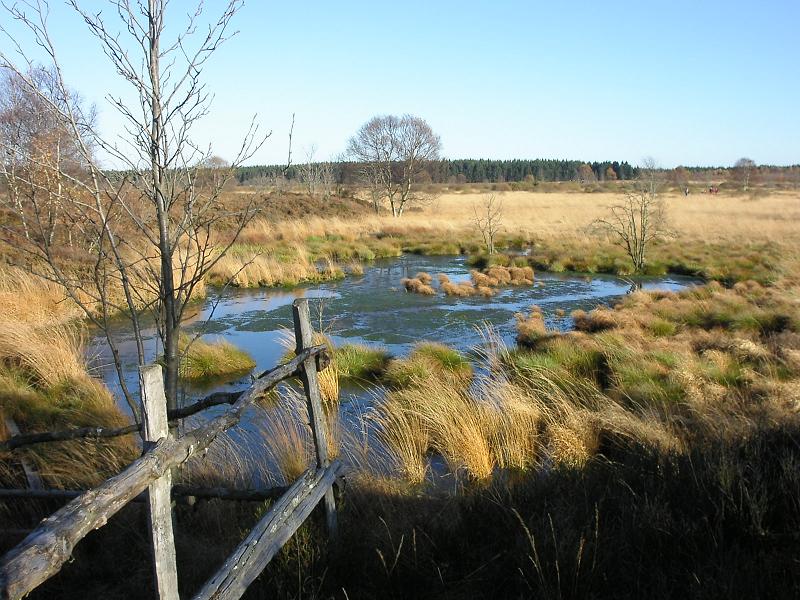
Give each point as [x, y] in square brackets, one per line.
[375, 309]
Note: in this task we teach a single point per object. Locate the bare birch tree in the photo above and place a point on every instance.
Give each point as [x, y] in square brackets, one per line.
[640, 218]
[394, 152]
[146, 234]
[488, 219]
[743, 172]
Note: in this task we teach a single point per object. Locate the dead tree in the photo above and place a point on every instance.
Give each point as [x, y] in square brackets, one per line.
[145, 235]
[640, 218]
[488, 219]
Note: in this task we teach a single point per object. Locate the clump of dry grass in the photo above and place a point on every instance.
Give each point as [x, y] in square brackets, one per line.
[45, 385]
[27, 298]
[500, 275]
[598, 319]
[417, 286]
[530, 328]
[463, 289]
[48, 354]
[355, 268]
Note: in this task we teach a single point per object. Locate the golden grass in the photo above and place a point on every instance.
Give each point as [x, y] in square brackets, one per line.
[704, 217]
[26, 297]
[254, 266]
[530, 328]
[415, 285]
[45, 385]
[327, 379]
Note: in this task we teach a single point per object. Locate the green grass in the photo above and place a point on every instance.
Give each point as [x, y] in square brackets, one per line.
[206, 361]
[426, 361]
[360, 362]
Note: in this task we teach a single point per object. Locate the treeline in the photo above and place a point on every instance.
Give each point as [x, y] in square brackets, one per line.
[483, 170]
[470, 171]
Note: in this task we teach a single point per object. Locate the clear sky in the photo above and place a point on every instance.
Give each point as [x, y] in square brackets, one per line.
[694, 83]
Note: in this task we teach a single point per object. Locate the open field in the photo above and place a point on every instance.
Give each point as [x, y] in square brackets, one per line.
[728, 238]
[698, 216]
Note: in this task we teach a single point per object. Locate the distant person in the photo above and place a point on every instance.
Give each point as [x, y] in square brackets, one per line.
[686, 191]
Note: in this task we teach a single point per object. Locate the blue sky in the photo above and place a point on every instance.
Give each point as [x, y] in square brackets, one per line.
[697, 83]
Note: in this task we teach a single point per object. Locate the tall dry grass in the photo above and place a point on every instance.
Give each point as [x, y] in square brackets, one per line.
[25, 297]
[253, 266]
[705, 217]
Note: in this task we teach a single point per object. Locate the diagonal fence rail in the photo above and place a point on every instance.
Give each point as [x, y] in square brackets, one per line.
[45, 550]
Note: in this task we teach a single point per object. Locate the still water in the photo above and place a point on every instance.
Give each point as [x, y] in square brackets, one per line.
[374, 309]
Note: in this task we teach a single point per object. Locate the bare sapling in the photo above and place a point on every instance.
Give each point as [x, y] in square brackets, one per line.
[140, 237]
[488, 220]
[639, 219]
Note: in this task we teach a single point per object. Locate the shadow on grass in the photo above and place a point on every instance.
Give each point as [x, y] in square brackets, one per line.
[720, 522]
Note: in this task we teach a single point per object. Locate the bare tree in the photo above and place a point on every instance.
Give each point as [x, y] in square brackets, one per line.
[29, 130]
[146, 234]
[394, 152]
[316, 177]
[640, 218]
[743, 172]
[488, 219]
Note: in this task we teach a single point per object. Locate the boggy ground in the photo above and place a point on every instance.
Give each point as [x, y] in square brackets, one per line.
[652, 453]
[727, 238]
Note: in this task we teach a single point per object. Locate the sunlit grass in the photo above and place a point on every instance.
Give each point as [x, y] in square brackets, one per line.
[203, 360]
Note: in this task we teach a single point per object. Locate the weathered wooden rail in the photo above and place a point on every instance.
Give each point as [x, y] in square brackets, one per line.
[44, 551]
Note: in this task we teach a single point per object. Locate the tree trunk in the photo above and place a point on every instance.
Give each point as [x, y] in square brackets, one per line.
[169, 314]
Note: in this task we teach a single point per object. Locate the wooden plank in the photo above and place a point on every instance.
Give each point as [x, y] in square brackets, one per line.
[304, 338]
[269, 535]
[42, 553]
[178, 491]
[156, 427]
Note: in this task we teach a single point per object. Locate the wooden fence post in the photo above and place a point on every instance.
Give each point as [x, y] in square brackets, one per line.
[156, 427]
[304, 338]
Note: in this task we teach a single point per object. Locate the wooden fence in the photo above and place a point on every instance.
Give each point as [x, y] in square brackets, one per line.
[43, 552]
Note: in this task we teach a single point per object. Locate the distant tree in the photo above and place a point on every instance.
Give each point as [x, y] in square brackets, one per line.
[316, 177]
[393, 153]
[680, 177]
[611, 174]
[743, 172]
[585, 174]
[640, 218]
[35, 142]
